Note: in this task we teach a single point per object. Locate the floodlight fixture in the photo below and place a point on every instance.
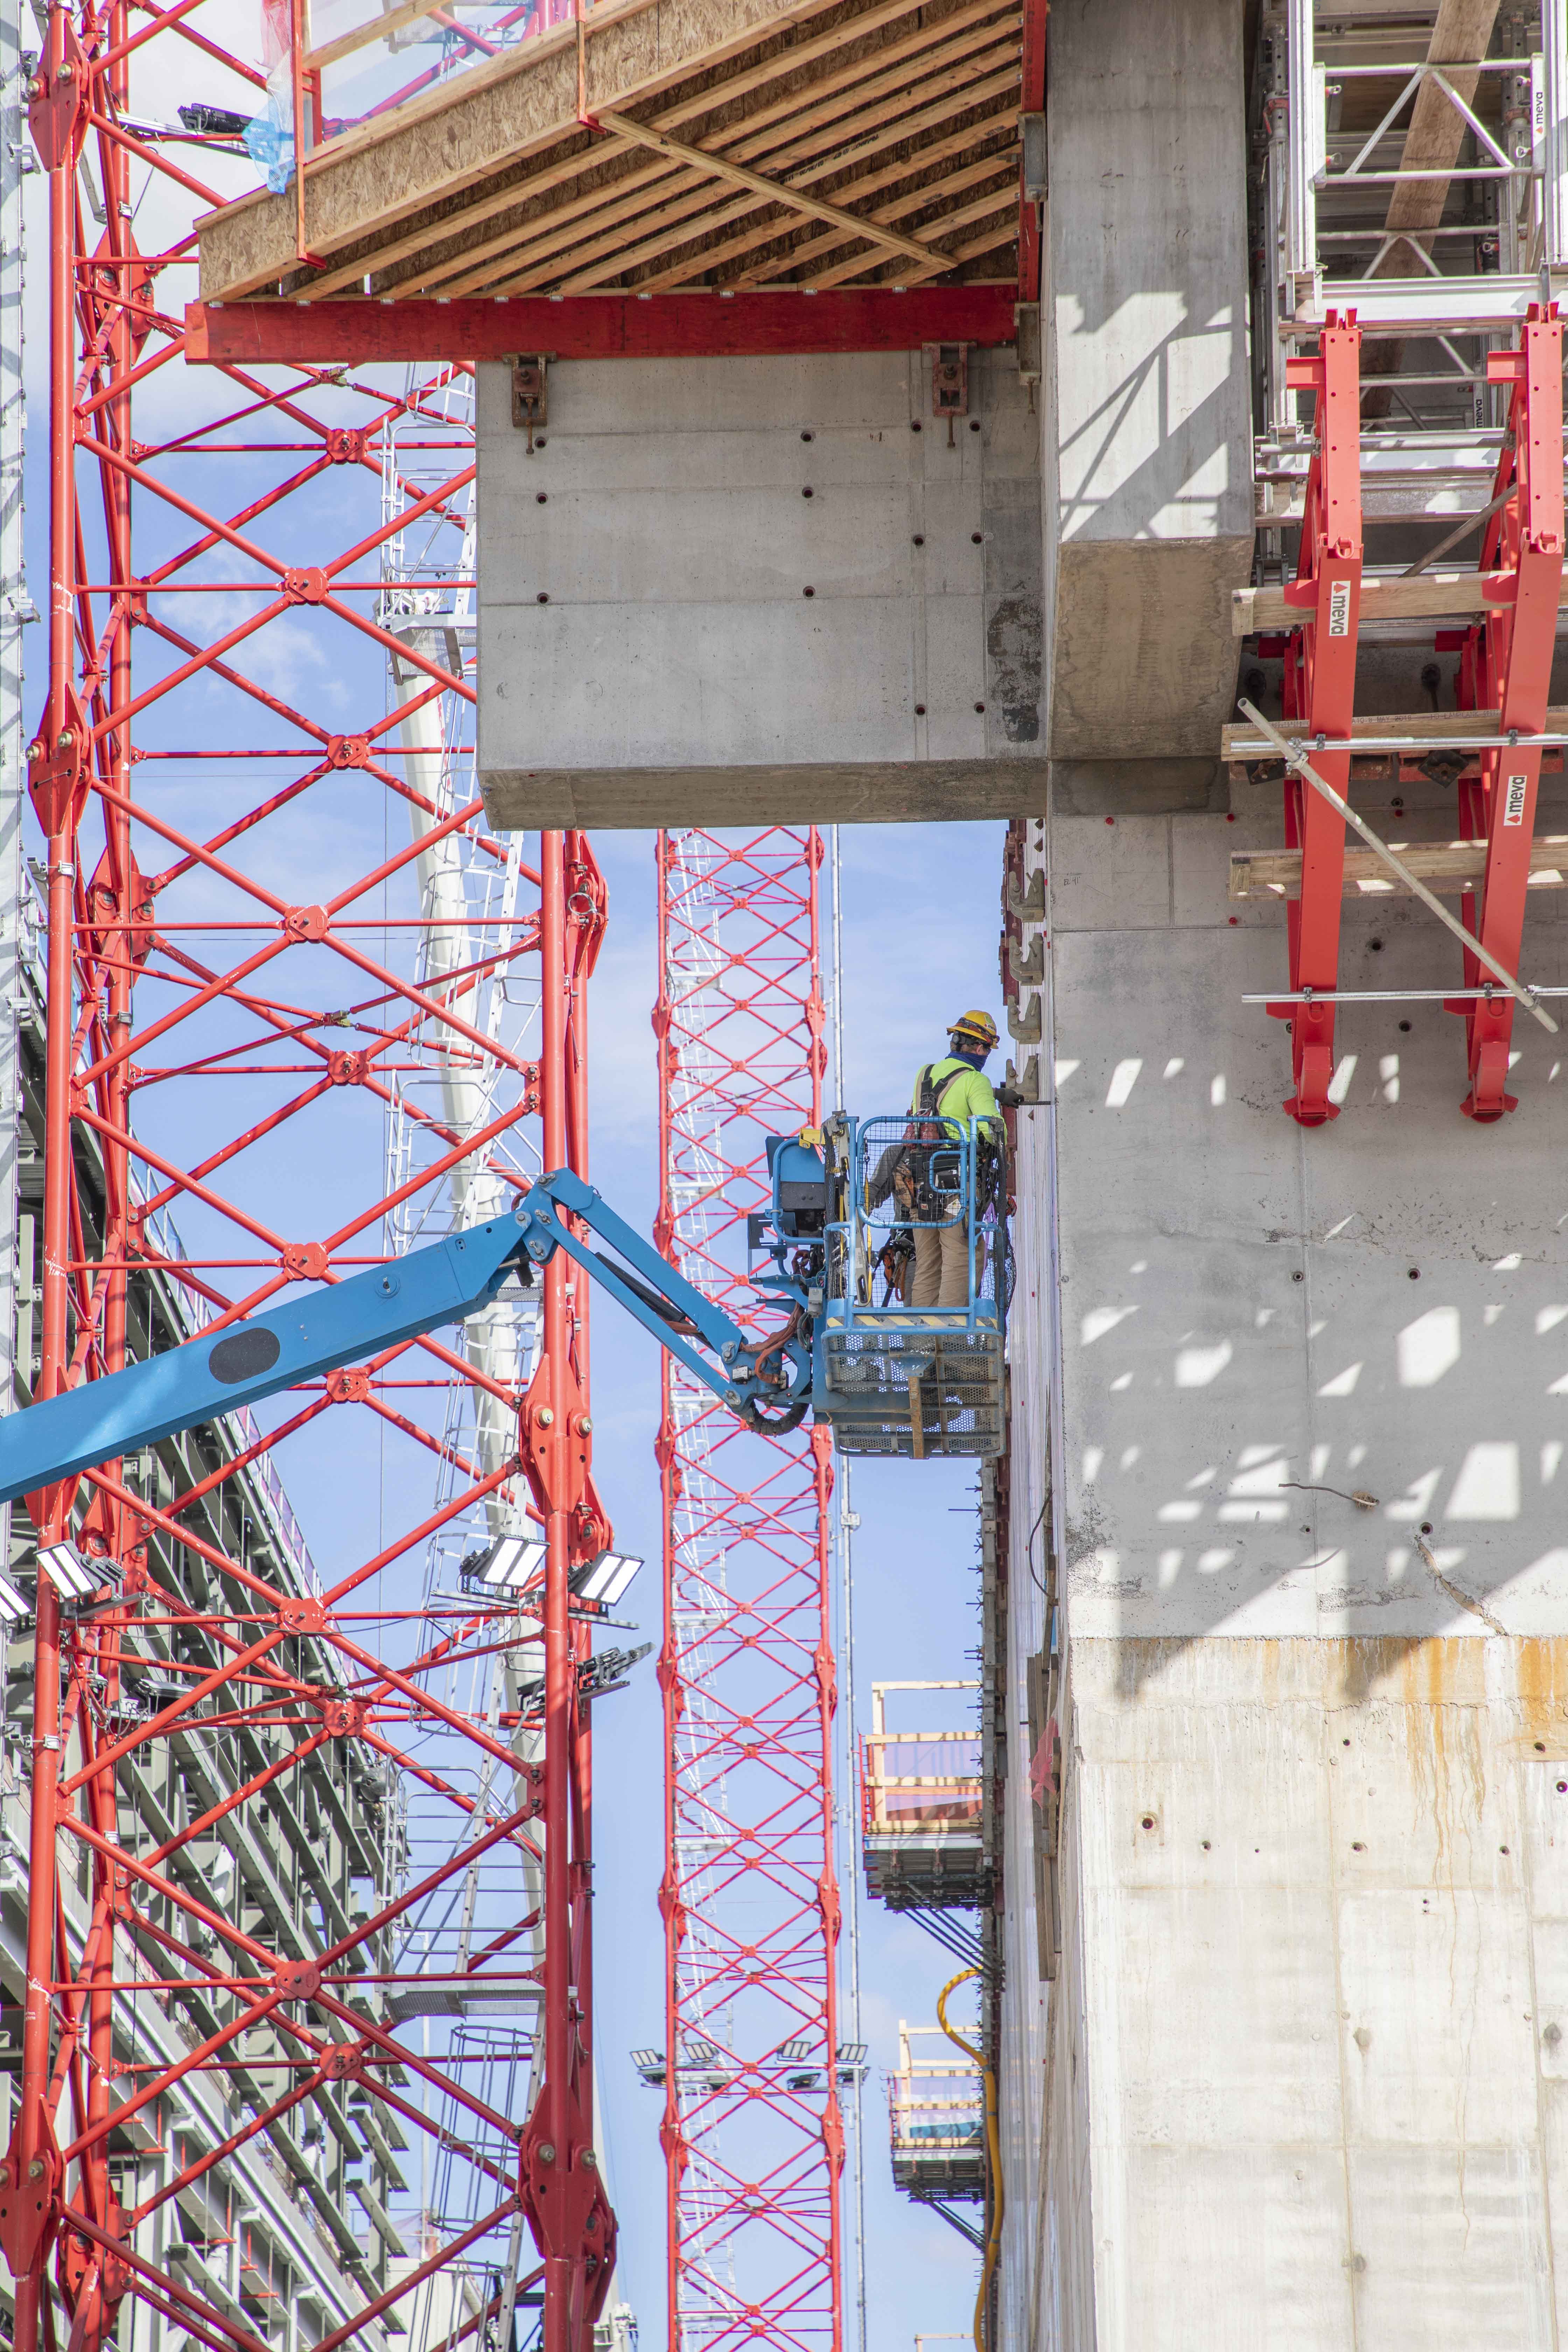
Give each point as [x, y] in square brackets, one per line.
[793, 2051]
[506, 1565]
[605, 1578]
[75, 1577]
[850, 2068]
[14, 1603]
[649, 2064]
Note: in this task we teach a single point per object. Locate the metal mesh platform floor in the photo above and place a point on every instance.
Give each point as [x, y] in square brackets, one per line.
[912, 1389]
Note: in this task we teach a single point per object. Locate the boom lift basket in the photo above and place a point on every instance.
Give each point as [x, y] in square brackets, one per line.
[894, 1379]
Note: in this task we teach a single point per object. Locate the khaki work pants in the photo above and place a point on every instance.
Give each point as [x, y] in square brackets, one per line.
[942, 1265]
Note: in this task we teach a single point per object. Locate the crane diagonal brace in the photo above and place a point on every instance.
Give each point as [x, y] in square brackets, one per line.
[314, 1335]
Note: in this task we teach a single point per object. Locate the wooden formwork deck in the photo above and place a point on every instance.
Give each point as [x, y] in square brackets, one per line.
[738, 144]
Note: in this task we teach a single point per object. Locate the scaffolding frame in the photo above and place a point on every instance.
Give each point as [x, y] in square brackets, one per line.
[1340, 295]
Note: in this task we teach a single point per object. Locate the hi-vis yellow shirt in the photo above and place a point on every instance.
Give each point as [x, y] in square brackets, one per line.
[964, 1094]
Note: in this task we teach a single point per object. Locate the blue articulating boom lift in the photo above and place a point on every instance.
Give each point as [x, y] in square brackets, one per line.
[880, 1376]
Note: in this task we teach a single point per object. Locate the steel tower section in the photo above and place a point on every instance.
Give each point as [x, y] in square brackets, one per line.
[256, 862]
[14, 611]
[752, 2130]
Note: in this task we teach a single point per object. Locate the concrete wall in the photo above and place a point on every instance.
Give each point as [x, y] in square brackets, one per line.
[1147, 472]
[1302, 2066]
[649, 651]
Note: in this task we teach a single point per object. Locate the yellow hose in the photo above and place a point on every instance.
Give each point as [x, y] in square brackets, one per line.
[992, 2153]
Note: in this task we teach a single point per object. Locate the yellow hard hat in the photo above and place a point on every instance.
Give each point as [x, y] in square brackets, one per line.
[977, 1027]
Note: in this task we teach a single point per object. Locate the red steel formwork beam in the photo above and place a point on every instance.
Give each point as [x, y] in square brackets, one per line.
[753, 2127]
[1506, 666]
[1320, 696]
[752, 323]
[183, 956]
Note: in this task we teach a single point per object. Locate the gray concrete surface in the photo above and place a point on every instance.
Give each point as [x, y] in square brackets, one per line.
[1147, 461]
[647, 651]
[1299, 2080]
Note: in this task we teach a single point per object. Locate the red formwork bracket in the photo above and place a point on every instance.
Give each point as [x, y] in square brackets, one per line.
[1319, 700]
[1506, 665]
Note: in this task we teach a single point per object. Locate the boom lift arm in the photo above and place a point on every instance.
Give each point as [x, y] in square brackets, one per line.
[403, 1300]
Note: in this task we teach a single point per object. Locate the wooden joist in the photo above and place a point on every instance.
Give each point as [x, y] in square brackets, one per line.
[719, 144]
[1425, 597]
[615, 220]
[1240, 743]
[778, 192]
[1449, 868]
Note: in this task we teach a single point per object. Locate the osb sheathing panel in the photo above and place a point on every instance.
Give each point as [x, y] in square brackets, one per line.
[493, 116]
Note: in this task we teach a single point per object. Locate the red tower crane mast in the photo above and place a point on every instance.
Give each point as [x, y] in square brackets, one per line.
[249, 977]
[752, 2131]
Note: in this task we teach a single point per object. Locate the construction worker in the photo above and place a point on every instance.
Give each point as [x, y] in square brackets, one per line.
[957, 1092]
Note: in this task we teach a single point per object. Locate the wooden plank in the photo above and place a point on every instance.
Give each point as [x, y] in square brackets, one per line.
[1430, 595]
[676, 223]
[376, 28]
[1002, 231]
[1005, 160]
[932, 51]
[1449, 868]
[541, 255]
[1239, 742]
[811, 250]
[1461, 33]
[916, 248]
[374, 261]
[802, 54]
[601, 326]
[511, 255]
[768, 232]
[938, 37]
[995, 85]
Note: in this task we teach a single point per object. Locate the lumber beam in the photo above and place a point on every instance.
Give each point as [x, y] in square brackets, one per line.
[1425, 597]
[1245, 742]
[601, 326]
[777, 192]
[1449, 868]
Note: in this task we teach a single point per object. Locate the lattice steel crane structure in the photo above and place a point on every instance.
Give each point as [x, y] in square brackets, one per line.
[753, 2131]
[278, 937]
